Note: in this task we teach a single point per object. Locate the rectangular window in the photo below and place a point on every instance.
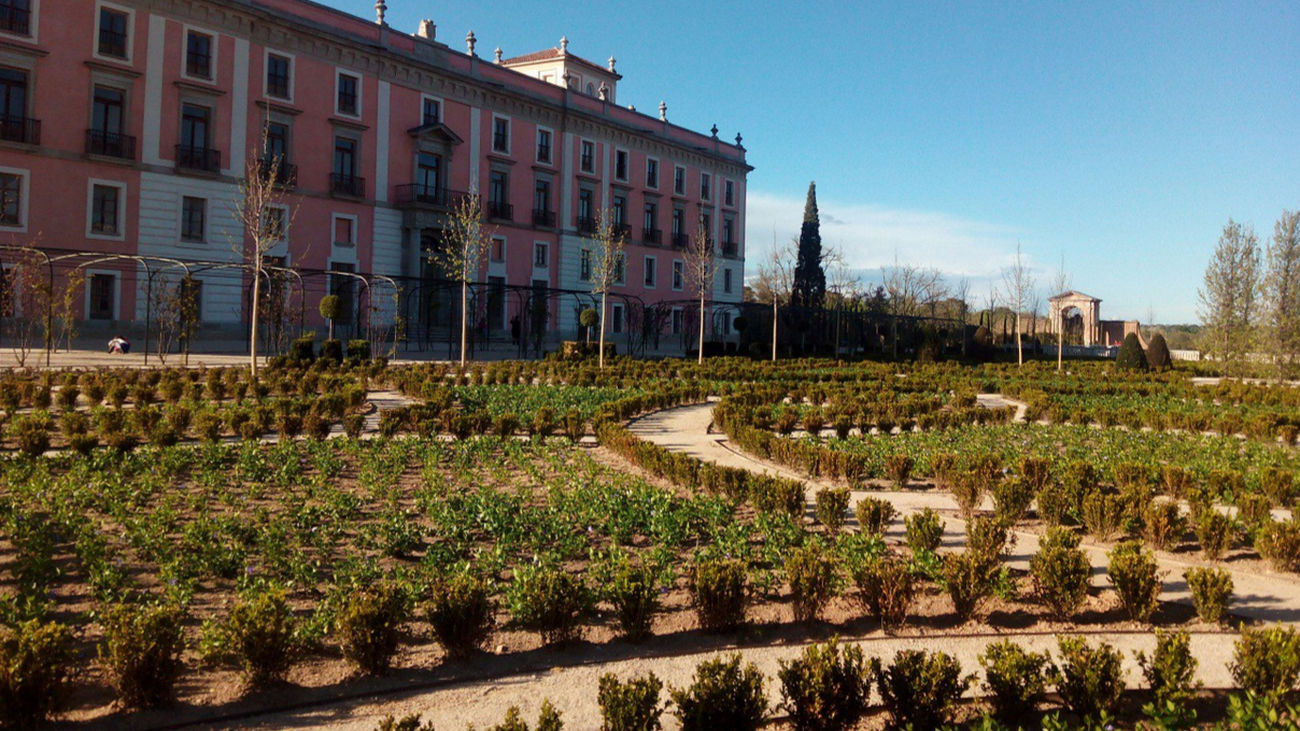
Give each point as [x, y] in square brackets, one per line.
[544, 146]
[104, 206]
[193, 218]
[726, 281]
[616, 318]
[106, 117]
[500, 134]
[540, 255]
[679, 274]
[651, 173]
[430, 111]
[651, 274]
[275, 224]
[196, 125]
[499, 195]
[584, 265]
[278, 70]
[729, 193]
[348, 101]
[679, 222]
[14, 125]
[619, 210]
[342, 286]
[588, 161]
[679, 180]
[428, 174]
[542, 213]
[704, 186]
[11, 199]
[198, 54]
[102, 293]
[113, 38]
[620, 268]
[345, 157]
[650, 223]
[586, 219]
[277, 143]
[620, 164]
[728, 231]
[16, 17]
[498, 249]
[344, 231]
[677, 321]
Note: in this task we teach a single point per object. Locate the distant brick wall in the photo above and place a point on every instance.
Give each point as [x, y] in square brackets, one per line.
[1113, 332]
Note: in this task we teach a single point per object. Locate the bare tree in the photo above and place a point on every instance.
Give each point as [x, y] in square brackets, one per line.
[1060, 283]
[1281, 294]
[913, 289]
[265, 216]
[607, 268]
[701, 269]
[1018, 288]
[775, 280]
[1228, 296]
[466, 241]
[842, 283]
[27, 303]
[175, 309]
[64, 315]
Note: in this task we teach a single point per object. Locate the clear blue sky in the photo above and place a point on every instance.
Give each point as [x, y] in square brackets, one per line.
[1122, 135]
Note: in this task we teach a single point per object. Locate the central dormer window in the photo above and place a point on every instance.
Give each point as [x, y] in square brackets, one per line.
[500, 134]
[348, 101]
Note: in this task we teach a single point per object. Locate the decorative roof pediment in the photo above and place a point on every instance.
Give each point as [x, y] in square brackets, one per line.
[436, 132]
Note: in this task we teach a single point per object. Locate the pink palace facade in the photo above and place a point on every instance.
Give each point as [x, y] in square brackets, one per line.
[127, 125]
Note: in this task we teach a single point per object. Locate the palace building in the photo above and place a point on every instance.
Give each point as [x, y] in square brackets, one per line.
[126, 127]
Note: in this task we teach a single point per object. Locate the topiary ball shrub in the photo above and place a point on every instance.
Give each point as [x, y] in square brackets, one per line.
[813, 574]
[1158, 356]
[1061, 571]
[924, 531]
[832, 507]
[874, 515]
[826, 689]
[1091, 678]
[919, 689]
[1131, 357]
[722, 695]
[1170, 672]
[1211, 592]
[1133, 571]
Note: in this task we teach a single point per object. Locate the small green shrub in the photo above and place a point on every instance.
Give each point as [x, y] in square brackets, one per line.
[1133, 572]
[31, 433]
[1061, 572]
[1211, 592]
[722, 695]
[548, 719]
[924, 531]
[1170, 672]
[874, 515]
[826, 689]
[34, 662]
[460, 612]
[405, 723]
[1278, 542]
[968, 490]
[1163, 526]
[1131, 356]
[718, 590]
[1266, 661]
[1102, 514]
[987, 538]
[369, 626]
[1214, 531]
[1252, 712]
[1091, 678]
[886, 588]
[969, 579]
[813, 575]
[630, 706]
[1054, 504]
[919, 689]
[633, 589]
[258, 635]
[141, 652]
[1015, 679]
[898, 468]
[1011, 499]
[832, 507]
[1277, 485]
[544, 598]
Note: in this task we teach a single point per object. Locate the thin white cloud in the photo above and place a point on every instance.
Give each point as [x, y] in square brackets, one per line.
[872, 236]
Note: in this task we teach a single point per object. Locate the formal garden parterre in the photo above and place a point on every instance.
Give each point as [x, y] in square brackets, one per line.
[197, 536]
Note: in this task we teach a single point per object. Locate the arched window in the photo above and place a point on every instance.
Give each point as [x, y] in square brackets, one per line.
[591, 89]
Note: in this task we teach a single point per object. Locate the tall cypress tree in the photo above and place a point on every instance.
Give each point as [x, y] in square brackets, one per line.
[809, 276]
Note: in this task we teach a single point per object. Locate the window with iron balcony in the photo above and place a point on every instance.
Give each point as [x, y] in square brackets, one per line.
[650, 232]
[15, 126]
[498, 205]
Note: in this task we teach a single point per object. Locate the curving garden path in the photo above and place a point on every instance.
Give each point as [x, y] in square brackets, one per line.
[568, 677]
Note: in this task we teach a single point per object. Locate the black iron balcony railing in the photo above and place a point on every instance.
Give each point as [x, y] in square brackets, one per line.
[16, 20]
[623, 230]
[652, 236]
[586, 225]
[351, 185]
[730, 248]
[427, 195]
[500, 210]
[544, 218]
[110, 144]
[20, 129]
[189, 157]
[681, 241]
[286, 174]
